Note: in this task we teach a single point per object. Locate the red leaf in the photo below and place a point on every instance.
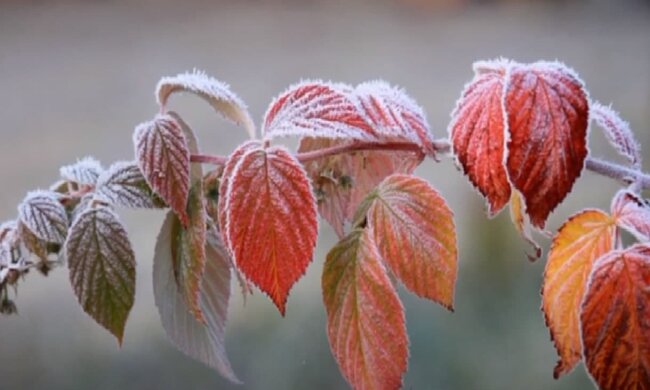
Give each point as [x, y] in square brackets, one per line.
[164, 158]
[270, 220]
[228, 169]
[618, 133]
[548, 115]
[415, 233]
[316, 109]
[477, 132]
[578, 244]
[365, 318]
[615, 320]
[632, 213]
[393, 114]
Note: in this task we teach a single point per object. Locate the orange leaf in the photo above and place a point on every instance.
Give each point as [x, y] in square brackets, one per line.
[415, 234]
[477, 133]
[579, 242]
[548, 115]
[271, 220]
[632, 213]
[365, 318]
[164, 158]
[615, 320]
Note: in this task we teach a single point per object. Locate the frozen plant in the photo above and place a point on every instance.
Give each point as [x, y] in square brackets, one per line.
[519, 132]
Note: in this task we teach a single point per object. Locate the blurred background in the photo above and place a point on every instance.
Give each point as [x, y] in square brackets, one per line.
[77, 76]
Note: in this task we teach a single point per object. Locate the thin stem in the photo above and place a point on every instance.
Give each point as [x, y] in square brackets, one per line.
[442, 146]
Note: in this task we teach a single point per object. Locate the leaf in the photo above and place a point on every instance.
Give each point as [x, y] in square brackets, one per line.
[632, 213]
[316, 109]
[85, 171]
[365, 318]
[228, 170]
[477, 132]
[188, 247]
[123, 184]
[342, 181]
[547, 116]
[415, 234]
[205, 343]
[615, 320]
[618, 133]
[393, 114]
[43, 215]
[582, 239]
[32, 243]
[215, 92]
[102, 268]
[270, 220]
[522, 223]
[164, 158]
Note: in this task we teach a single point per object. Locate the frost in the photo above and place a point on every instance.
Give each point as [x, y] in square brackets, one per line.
[163, 157]
[102, 267]
[205, 343]
[215, 92]
[43, 215]
[632, 213]
[617, 132]
[85, 171]
[123, 184]
[316, 109]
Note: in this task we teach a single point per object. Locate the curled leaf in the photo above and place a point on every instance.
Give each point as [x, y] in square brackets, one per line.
[522, 223]
[415, 234]
[618, 133]
[270, 220]
[42, 213]
[615, 320]
[582, 239]
[164, 158]
[102, 268]
[477, 132]
[365, 318]
[215, 92]
[203, 342]
[547, 116]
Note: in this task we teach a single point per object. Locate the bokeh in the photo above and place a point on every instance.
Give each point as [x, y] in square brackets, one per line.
[77, 76]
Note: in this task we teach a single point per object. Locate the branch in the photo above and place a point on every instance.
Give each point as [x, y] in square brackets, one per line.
[442, 146]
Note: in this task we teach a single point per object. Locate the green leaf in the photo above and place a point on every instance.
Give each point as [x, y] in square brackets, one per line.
[102, 268]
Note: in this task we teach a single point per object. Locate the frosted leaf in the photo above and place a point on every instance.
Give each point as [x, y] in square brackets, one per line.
[215, 92]
[394, 114]
[203, 342]
[617, 132]
[7, 229]
[632, 213]
[123, 184]
[85, 202]
[163, 157]
[547, 114]
[32, 243]
[85, 171]
[317, 109]
[271, 220]
[44, 215]
[102, 268]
